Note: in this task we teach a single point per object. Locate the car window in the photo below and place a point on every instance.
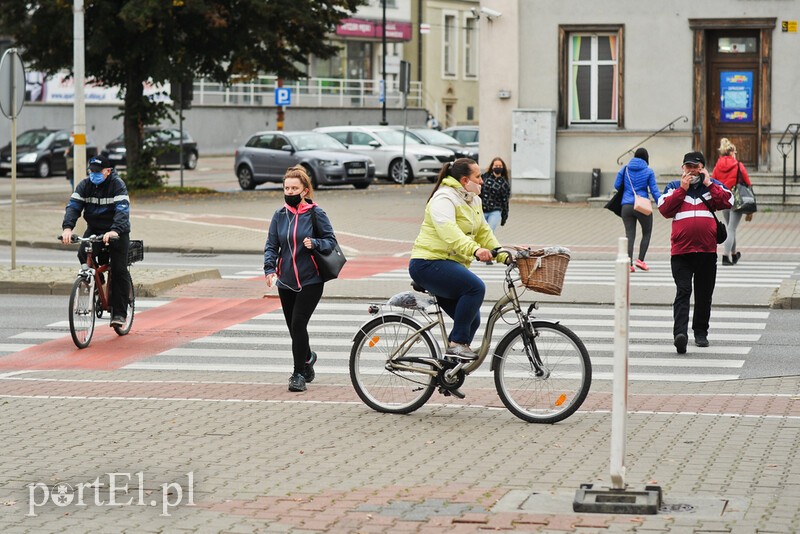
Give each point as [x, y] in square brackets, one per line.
[32, 137]
[466, 136]
[315, 141]
[264, 141]
[394, 137]
[435, 137]
[361, 138]
[62, 139]
[339, 136]
[278, 141]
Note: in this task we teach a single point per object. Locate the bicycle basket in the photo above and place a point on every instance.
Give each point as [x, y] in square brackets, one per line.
[543, 270]
[135, 251]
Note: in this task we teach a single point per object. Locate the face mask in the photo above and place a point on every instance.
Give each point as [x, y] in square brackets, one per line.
[472, 187]
[96, 177]
[293, 200]
[697, 178]
[498, 171]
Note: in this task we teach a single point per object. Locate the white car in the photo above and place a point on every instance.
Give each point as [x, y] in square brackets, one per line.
[384, 144]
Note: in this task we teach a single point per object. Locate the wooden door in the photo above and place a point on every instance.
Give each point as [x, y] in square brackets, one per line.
[733, 99]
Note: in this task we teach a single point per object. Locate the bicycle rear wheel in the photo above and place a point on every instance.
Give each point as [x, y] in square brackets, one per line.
[81, 312]
[130, 309]
[381, 387]
[565, 384]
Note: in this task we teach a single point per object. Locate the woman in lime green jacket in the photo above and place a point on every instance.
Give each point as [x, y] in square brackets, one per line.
[453, 234]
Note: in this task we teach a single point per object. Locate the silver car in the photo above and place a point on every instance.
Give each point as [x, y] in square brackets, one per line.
[384, 144]
[266, 156]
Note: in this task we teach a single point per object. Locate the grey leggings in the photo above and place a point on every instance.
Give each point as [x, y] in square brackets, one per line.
[629, 218]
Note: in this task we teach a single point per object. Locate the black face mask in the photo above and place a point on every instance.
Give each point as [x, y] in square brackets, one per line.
[498, 171]
[293, 200]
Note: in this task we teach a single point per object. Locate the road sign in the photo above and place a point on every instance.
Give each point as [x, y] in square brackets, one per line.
[12, 83]
[283, 96]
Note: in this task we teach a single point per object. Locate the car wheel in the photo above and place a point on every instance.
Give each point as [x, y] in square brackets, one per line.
[191, 161]
[245, 176]
[311, 176]
[43, 169]
[361, 185]
[397, 175]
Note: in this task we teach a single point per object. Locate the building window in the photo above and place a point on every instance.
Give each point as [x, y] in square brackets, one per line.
[591, 84]
[470, 49]
[449, 46]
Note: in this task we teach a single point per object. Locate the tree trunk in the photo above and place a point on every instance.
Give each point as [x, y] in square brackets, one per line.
[134, 92]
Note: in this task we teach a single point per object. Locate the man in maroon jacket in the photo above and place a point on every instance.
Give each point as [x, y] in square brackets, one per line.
[694, 245]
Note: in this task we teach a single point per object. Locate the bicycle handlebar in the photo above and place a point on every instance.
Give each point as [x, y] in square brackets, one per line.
[92, 238]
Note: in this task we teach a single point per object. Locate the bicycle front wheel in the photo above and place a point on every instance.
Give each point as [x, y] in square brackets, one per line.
[81, 313]
[130, 309]
[381, 385]
[560, 390]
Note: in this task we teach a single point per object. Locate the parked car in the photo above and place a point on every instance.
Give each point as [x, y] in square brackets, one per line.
[165, 144]
[467, 135]
[384, 145]
[428, 136]
[266, 156]
[91, 151]
[40, 152]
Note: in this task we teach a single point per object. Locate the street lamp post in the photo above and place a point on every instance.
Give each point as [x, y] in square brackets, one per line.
[383, 48]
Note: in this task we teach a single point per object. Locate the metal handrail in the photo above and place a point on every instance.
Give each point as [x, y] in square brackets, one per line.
[669, 126]
[787, 143]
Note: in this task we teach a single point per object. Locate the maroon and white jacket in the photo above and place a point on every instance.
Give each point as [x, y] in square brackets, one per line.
[693, 226]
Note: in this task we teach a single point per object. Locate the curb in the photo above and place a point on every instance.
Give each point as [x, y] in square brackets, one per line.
[787, 296]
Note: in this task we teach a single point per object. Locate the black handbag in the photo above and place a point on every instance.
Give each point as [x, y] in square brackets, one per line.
[722, 231]
[744, 199]
[329, 264]
[615, 204]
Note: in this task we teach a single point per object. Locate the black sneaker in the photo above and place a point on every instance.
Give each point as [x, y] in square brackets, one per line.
[117, 320]
[680, 343]
[700, 340]
[736, 257]
[297, 382]
[726, 260]
[308, 370]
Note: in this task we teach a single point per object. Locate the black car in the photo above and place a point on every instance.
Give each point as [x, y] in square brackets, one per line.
[429, 136]
[165, 144]
[40, 152]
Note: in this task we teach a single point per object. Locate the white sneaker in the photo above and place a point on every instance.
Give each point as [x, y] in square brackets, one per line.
[462, 352]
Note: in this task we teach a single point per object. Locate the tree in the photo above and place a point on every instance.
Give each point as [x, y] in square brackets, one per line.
[130, 42]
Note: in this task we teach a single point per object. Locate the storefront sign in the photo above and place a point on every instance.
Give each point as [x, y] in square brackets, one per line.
[736, 96]
[395, 31]
[789, 26]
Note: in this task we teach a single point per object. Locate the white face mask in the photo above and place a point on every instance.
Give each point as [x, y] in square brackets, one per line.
[472, 187]
[697, 178]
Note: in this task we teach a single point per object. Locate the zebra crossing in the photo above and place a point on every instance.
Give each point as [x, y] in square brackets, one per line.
[601, 272]
[262, 345]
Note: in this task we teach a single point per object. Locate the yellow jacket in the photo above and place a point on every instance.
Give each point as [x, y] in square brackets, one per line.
[454, 227]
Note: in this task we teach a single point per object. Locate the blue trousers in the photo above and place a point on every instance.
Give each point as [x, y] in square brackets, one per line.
[458, 290]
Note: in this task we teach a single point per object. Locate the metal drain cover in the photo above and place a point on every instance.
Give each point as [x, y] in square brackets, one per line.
[676, 508]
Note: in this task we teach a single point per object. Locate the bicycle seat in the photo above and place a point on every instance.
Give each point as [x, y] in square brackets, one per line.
[416, 287]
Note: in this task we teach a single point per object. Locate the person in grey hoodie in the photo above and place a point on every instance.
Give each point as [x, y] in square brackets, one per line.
[637, 176]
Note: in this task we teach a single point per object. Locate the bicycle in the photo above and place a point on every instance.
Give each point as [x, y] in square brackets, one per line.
[91, 291]
[542, 370]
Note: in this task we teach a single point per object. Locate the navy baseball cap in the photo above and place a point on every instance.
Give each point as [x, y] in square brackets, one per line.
[98, 163]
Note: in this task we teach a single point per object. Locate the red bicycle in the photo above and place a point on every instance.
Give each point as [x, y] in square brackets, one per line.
[91, 291]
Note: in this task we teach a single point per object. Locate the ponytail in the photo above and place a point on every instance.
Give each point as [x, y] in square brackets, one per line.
[457, 169]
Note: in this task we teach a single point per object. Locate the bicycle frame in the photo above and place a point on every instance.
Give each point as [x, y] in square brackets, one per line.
[95, 272]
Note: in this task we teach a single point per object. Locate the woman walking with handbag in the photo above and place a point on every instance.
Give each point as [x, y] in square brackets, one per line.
[638, 182]
[290, 266]
[730, 171]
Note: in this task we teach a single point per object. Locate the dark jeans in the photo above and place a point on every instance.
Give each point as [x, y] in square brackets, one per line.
[629, 218]
[118, 251]
[458, 290]
[699, 268]
[297, 310]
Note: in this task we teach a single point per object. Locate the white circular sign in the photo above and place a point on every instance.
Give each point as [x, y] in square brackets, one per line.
[12, 83]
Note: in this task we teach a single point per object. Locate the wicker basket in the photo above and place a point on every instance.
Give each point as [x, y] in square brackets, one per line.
[543, 272]
[135, 251]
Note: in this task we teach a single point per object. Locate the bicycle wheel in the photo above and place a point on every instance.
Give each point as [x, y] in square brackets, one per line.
[81, 313]
[554, 396]
[384, 390]
[130, 308]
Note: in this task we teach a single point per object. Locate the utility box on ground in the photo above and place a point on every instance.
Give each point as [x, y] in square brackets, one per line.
[533, 151]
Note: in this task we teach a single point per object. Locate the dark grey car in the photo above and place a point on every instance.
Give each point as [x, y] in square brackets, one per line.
[266, 156]
[429, 136]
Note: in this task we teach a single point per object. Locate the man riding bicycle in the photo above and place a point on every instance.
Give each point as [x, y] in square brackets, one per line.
[103, 200]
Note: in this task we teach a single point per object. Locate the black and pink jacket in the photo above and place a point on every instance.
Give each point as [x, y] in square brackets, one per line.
[284, 252]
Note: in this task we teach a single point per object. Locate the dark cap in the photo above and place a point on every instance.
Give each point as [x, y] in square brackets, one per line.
[98, 163]
[642, 154]
[694, 158]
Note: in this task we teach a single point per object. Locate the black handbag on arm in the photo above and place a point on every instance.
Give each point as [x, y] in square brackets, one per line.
[744, 198]
[722, 231]
[330, 264]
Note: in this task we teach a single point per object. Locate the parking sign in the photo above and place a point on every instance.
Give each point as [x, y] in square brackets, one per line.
[283, 96]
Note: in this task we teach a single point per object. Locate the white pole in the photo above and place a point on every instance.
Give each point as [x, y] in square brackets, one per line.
[619, 403]
[79, 109]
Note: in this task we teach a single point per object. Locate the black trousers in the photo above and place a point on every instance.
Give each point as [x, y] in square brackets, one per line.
[629, 218]
[698, 269]
[118, 251]
[297, 310]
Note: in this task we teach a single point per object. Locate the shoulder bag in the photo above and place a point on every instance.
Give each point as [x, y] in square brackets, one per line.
[640, 204]
[615, 204]
[744, 199]
[331, 263]
[722, 232]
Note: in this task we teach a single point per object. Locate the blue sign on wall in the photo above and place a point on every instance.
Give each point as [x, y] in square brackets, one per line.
[736, 96]
[283, 96]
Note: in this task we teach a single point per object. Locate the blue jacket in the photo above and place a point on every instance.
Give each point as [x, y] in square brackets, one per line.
[643, 179]
[284, 252]
[105, 207]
